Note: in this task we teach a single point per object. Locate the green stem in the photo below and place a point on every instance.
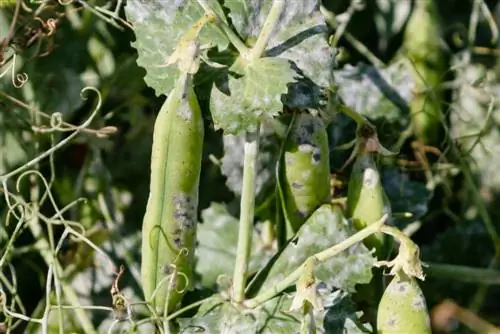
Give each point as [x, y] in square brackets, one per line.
[358, 118]
[462, 273]
[225, 28]
[319, 257]
[247, 205]
[267, 29]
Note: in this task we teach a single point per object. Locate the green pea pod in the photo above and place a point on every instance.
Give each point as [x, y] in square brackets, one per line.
[367, 201]
[423, 46]
[402, 308]
[169, 226]
[305, 169]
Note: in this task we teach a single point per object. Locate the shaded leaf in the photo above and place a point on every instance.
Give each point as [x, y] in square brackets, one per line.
[217, 242]
[232, 161]
[341, 315]
[380, 95]
[404, 194]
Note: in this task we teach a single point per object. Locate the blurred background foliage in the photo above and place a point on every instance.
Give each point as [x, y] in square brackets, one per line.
[62, 49]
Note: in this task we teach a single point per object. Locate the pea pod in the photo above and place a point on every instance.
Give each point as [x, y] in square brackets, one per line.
[169, 226]
[402, 308]
[305, 169]
[367, 201]
[423, 46]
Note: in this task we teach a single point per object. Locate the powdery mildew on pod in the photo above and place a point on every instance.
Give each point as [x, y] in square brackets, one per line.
[402, 308]
[169, 226]
[306, 168]
[367, 201]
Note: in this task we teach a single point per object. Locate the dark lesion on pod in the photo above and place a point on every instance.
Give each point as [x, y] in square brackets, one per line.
[184, 211]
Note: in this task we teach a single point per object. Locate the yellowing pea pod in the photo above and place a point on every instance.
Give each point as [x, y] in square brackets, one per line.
[169, 226]
[402, 308]
[367, 201]
[305, 169]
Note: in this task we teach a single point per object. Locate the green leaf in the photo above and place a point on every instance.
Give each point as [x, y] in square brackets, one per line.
[158, 24]
[217, 238]
[294, 70]
[325, 228]
[249, 91]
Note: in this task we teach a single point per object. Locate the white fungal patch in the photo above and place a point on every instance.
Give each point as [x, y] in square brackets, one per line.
[306, 148]
[184, 110]
[305, 174]
[392, 322]
[370, 178]
[418, 303]
[289, 159]
[399, 288]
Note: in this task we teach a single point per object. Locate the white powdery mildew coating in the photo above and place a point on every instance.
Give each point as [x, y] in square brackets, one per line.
[306, 174]
[139, 10]
[306, 148]
[399, 288]
[184, 110]
[392, 322]
[418, 303]
[370, 178]
[289, 159]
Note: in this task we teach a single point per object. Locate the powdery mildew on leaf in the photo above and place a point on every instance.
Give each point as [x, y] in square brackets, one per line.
[216, 251]
[158, 25]
[258, 93]
[377, 94]
[325, 228]
[294, 72]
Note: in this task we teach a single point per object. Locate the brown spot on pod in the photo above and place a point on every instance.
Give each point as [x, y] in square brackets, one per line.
[296, 185]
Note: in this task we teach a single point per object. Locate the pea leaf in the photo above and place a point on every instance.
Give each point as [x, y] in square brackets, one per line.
[232, 161]
[217, 240]
[377, 93]
[258, 84]
[382, 95]
[273, 317]
[326, 227]
[341, 315]
[475, 123]
[404, 194]
[158, 25]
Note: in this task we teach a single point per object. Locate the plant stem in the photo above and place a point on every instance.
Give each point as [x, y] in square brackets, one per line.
[358, 118]
[267, 30]
[247, 205]
[226, 29]
[463, 273]
[319, 257]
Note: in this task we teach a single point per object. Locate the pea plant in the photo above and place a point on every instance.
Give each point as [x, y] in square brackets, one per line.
[261, 69]
[273, 186]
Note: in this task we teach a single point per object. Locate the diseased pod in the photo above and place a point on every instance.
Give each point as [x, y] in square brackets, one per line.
[402, 308]
[306, 168]
[367, 201]
[423, 46]
[169, 227]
